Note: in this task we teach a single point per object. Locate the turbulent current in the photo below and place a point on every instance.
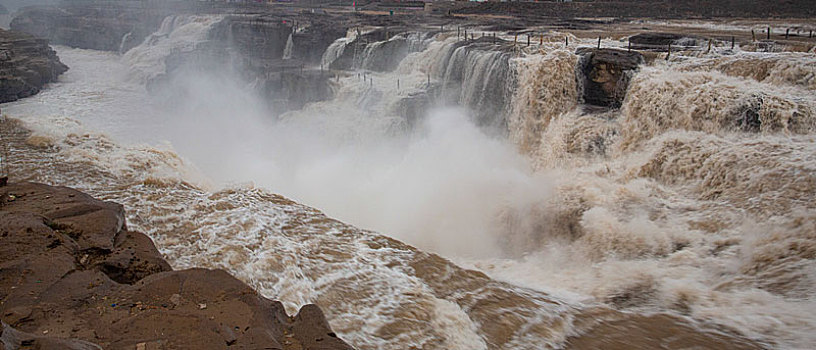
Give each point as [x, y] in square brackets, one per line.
[694, 199]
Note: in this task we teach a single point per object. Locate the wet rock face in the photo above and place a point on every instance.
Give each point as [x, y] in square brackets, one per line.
[26, 64]
[294, 87]
[73, 277]
[256, 37]
[413, 107]
[606, 74]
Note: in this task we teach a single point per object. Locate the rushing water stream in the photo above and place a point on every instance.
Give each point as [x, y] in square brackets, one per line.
[661, 206]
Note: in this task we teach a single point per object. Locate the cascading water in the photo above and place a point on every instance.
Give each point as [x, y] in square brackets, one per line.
[288, 49]
[178, 33]
[124, 41]
[334, 51]
[694, 199]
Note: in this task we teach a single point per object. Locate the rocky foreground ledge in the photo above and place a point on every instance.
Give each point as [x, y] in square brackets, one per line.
[72, 276]
[26, 64]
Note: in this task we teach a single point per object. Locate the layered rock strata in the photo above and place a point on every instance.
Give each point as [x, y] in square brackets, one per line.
[26, 64]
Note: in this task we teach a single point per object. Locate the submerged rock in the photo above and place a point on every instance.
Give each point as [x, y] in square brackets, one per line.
[73, 276]
[606, 74]
[26, 64]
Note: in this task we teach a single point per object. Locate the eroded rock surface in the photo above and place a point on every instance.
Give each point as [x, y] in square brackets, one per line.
[73, 277]
[26, 64]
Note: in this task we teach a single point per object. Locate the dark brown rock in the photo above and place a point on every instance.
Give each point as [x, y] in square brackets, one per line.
[26, 64]
[606, 74]
[73, 277]
[660, 42]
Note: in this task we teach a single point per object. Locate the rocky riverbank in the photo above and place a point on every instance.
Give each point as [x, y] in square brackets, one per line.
[26, 64]
[72, 276]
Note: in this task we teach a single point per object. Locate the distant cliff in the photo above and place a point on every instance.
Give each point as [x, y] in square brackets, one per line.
[108, 28]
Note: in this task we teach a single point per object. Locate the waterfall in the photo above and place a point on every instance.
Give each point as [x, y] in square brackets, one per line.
[334, 51]
[476, 76]
[125, 38]
[177, 34]
[287, 51]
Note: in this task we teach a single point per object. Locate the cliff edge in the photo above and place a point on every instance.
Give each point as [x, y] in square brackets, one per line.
[72, 276]
[26, 64]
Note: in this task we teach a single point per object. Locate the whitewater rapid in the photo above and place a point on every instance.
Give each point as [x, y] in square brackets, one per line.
[665, 205]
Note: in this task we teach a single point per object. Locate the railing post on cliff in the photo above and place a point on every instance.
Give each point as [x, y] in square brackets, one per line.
[528, 39]
[732, 42]
[787, 33]
[599, 43]
[541, 40]
[4, 151]
[566, 41]
[668, 53]
[709, 46]
[753, 36]
[769, 33]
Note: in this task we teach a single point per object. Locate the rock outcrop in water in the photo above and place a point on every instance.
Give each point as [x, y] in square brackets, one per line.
[72, 276]
[661, 42]
[26, 64]
[606, 74]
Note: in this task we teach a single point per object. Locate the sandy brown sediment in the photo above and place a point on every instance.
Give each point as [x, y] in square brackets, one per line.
[72, 276]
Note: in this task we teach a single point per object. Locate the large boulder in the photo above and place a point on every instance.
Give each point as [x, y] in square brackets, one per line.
[26, 64]
[606, 74]
[72, 276]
